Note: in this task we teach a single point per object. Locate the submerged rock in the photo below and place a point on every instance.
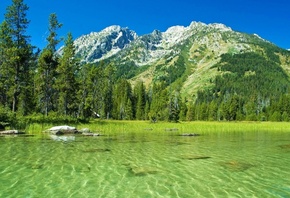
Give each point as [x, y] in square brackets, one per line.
[285, 146]
[142, 171]
[190, 134]
[236, 165]
[36, 166]
[194, 157]
[93, 150]
[171, 129]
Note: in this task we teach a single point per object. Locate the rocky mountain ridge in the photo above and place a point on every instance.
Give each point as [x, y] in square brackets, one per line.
[182, 55]
[98, 46]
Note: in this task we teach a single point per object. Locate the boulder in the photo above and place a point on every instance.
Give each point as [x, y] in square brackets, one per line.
[11, 132]
[61, 130]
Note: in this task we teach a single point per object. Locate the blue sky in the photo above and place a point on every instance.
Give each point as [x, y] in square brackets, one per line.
[269, 19]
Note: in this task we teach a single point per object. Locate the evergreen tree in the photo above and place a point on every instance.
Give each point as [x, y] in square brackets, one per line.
[213, 111]
[21, 57]
[109, 79]
[86, 82]
[190, 112]
[46, 71]
[183, 109]
[159, 102]
[45, 81]
[52, 38]
[140, 94]
[66, 83]
[174, 107]
[6, 60]
[122, 108]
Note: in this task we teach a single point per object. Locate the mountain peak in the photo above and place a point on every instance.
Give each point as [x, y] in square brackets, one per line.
[112, 28]
[99, 45]
[220, 26]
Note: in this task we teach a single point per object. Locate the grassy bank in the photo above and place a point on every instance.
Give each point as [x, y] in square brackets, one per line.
[113, 127]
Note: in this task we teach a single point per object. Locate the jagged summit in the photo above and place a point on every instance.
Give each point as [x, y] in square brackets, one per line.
[101, 45]
[189, 52]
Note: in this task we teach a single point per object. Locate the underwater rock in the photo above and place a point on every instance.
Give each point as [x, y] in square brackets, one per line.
[142, 171]
[285, 146]
[93, 150]
[82, 169]
[171, 129]
[236, 165]
[36, 166]
[194, 157]
[190, 134]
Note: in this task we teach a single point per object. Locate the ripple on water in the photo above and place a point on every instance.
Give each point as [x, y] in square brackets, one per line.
[163, 166]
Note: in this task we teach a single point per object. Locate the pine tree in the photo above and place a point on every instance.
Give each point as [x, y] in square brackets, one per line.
[159, 102]
[183, 109]
[6, 60]
[52, 38]
[66, 83]
[140, 95]
[122, 100]
[46, 71]
[108, 83]
[21, 56]
[174, 107]
[45, 81]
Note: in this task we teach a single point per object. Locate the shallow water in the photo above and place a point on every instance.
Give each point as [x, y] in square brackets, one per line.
[249, 164]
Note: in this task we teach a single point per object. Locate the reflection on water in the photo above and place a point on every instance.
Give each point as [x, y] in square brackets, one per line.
[254, 164]
[63, 138]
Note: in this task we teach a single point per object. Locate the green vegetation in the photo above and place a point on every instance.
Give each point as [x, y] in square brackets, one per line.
[45, 87]
[250, 87]
[114, 127]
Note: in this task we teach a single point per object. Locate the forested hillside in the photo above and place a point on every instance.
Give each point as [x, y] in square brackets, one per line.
[199, 72]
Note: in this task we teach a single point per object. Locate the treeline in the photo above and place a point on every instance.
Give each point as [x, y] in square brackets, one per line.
[250, 87]
[43, 85]
[51, 85]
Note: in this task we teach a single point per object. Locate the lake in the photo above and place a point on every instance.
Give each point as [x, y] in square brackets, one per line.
[148, 164]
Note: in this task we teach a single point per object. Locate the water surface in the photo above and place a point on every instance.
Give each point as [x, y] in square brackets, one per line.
[243, 164]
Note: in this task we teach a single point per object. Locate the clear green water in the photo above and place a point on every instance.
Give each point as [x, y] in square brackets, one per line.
[249, 164]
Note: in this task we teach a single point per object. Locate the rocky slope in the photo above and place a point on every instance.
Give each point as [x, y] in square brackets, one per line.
[182, 56]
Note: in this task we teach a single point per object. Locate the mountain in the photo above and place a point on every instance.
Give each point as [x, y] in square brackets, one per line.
[97, 46]
[188, 59]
